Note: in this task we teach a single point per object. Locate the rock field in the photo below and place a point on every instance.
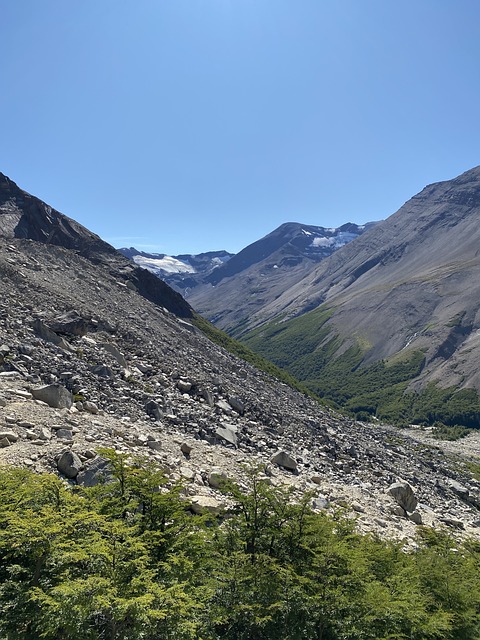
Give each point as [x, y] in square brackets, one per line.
[87, 362]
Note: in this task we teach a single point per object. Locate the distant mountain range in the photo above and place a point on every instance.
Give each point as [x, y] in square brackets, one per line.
[228, 288]
[396, 310]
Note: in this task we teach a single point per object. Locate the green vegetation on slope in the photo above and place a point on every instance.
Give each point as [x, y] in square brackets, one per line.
[125, 561]
[307, 348]
[243, 352]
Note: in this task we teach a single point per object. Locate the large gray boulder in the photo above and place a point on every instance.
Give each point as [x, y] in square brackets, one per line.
[70, 323]
[285, 460]
[403, 495]
[69, 464]
[54, 395]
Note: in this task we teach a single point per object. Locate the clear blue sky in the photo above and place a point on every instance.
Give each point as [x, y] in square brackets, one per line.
[192, 125]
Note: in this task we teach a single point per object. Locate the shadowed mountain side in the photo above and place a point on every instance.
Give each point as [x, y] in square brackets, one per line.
[24, 216]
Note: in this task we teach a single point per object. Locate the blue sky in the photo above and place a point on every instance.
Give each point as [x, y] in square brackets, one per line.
[192, 125]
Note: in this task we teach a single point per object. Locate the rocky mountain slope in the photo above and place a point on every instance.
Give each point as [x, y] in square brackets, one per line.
[86, 360]
[183, 272]
[261, 272]
[409, 286]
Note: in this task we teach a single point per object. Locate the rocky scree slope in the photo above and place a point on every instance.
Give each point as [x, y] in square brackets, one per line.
[261, 272]
[25, 216]
[409, 285]
[86, 361]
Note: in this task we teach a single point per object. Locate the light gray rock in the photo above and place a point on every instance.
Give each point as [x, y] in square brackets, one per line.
[9, 435]
[115, 353]
[403, 495]
[461, 491]
[285, 460]
[223, 406]
[217, 477]
[69, 464]
[90, 407]
[228, 434]
[205, 504]
[54, 395]
[183, 386]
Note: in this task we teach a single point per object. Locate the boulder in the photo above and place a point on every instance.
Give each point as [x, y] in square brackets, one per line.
[285, 460]
[54, 395]
[70, 323]
[183, 386]
[69, 464]
[236, 404]
[403, 495]
[217, 477]
[185, 448]
[96, 472]
[153, 410]
[228, 434]
[48, 335]
[205, 504]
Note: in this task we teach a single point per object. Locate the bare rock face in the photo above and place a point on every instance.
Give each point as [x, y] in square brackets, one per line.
[54, 395]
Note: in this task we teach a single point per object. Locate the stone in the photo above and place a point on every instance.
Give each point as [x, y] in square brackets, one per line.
[319, 503]
[64, 434]
[416, 517]
[69, 464]
[70, 323]
[183, 386]
[9, 435]
[115, 353]
[156, 445]
[223, 406]
[205, 504]
[5, 442]
[461, 491]
[45, 434]
[185, 448]
[228, 434]
[95, 472]
[48, 335]
[102, 371]
[54, 395]
[217, 477]
[403, 495]
[283, 459]
[236, 404]
[153, 410]
[90, 407]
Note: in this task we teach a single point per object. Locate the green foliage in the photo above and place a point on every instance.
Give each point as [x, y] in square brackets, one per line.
[244, 353]
[334, 371]
[124, 560]
[443, 432]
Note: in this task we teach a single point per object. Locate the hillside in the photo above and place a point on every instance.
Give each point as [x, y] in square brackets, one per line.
[256, 276]
[128, 373]
[406, 292]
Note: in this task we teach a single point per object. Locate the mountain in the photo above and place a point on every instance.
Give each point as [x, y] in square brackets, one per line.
[24, 216]
[405, 293]
[183, 272]
[261, 272]
[88, 361]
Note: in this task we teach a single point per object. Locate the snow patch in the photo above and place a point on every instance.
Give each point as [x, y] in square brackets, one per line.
[166, 264]
[323, 242]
